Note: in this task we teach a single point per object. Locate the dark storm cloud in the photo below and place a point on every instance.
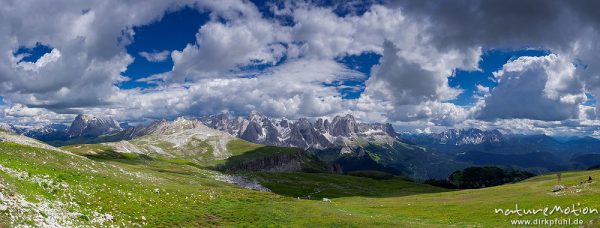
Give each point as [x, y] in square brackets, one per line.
[501, 23]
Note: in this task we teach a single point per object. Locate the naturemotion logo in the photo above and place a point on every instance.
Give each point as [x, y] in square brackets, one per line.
[573, 209]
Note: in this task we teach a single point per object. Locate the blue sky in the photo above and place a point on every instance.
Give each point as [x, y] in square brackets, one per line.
[32, 54]
[414, 65]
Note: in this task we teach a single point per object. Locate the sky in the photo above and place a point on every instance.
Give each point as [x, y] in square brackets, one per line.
[527, 67]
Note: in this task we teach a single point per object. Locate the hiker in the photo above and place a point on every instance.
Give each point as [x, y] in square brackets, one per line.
[589, 178]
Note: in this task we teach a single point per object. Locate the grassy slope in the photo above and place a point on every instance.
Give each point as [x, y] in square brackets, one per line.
[245, 151]
[325, 185]
[85, 140]
[124, 187]
[475, 207]
[405, 203]
[242, 150]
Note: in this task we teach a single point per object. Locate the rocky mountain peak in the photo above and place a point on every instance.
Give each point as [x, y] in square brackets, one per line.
[343, 126]
[256, 116]
[89, 125]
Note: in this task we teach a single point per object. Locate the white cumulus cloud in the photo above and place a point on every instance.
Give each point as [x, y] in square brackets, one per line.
[155, 56]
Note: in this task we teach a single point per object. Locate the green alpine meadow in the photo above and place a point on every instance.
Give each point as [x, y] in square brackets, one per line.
[92, 185]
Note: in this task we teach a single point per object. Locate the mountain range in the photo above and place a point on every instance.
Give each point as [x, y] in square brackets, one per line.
[458, 137]
[341, 131]
[343, 142]
[537, 153]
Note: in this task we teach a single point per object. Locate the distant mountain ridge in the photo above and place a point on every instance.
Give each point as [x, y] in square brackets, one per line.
[458, 137]
[84, 129]
[536, 153]
[470, 136]
[462, 140]
[47, 132]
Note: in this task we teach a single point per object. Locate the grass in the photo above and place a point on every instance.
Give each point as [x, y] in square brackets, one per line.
[261, 152]
[189, 196]
[86, 140]
[88, 148]
[326, 185]
[245, 153]
[476, 207]
[373, 174]
[238, 146]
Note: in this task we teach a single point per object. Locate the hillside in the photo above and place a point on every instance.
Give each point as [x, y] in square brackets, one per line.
[6, 136]
[38, 188]
[191, 142]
